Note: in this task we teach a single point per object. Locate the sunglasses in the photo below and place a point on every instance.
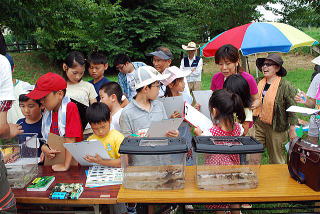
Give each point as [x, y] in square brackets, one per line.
[268, 64]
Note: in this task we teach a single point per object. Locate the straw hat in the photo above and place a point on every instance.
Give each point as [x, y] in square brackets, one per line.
[316, 60]
[190, 47]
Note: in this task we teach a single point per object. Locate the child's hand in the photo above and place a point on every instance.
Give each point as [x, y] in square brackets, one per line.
[255, 104]
[197, 106]
[41, 157]
[59, 168]
[175, 114]
[52, 153]
[197, 131]
[173, 133]
[301, 97]
[49, 153]
[93, 159]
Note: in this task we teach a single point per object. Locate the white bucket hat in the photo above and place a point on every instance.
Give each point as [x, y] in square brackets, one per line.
[145, 75]
[190, 47]
[174, 73]
[316, 60]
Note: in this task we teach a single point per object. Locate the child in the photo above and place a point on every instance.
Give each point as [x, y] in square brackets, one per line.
[98, 115]
[97, 65]
[126, 70]
[238, 85]
[111, 94]
[32, 122]
[175, 85]
[77, 89]
[81, 92]
[137, 116]
[223, 105]
[61, 116]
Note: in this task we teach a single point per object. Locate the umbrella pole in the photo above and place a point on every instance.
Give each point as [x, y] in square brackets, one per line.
[243, 61]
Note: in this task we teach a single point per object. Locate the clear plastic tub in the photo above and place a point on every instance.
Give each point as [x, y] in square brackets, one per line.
[227, 163]
[20, 157]
[153, 163]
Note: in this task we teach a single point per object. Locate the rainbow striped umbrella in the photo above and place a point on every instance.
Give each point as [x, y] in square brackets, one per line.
[259, 37]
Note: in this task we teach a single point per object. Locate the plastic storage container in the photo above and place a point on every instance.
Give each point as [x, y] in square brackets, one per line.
[20, 157]
[153, 163]
[227, 163]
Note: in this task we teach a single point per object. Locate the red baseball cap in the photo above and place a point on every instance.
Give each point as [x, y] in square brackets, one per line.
[47, 83]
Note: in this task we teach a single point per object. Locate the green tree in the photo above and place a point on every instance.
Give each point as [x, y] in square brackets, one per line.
[300, 13]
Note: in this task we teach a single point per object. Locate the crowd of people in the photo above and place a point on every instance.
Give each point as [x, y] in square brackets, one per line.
[109, 111]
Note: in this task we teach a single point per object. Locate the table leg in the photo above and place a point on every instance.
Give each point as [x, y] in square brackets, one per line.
[317, 210]
[96, 208]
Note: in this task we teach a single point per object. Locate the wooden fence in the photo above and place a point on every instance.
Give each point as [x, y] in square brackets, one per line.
[22, 47]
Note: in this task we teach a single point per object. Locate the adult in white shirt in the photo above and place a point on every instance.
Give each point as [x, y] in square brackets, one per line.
[193, 63]
[161, 60]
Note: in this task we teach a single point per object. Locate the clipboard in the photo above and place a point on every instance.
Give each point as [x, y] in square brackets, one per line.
[303, 110]
[172, 104]
[202, 97]
[196, 118]
[81, 149]
[56, 142]
[160, 128]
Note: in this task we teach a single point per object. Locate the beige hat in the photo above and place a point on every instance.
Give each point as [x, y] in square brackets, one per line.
[190, 47]
[316, 60]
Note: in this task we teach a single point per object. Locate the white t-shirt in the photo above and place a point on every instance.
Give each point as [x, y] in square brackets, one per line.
[82, 92]
[14, 114]
[313, 88]
[6, 86]
[115, 120]
[130, 80]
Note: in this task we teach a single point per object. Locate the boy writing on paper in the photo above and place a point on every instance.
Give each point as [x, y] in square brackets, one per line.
[61, 116]
[99, 118]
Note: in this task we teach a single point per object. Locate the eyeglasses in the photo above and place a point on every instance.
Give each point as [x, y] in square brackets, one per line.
[120, 67]
[268, 64]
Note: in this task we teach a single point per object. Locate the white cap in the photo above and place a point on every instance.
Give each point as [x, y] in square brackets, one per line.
[145, 75]
[316, 60]
[174, 73]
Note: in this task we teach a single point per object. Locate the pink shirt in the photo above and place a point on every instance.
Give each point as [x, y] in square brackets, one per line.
[218, 80]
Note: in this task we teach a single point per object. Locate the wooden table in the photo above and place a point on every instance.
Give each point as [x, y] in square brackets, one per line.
[90, 196]
[275, 184]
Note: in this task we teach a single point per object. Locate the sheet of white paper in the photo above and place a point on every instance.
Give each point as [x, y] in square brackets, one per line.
[81, 149]
[172, 104]
[202, 98]
[303, 110]
[196, 118]
[160, 128]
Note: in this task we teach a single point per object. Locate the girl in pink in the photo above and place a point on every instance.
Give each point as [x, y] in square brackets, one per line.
[224, 106]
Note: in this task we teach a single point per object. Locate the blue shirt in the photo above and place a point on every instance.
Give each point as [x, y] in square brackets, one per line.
[32, 128]
[98, 85]
[122, 80]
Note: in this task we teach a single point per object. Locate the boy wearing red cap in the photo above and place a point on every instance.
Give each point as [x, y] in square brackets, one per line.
[61, 116]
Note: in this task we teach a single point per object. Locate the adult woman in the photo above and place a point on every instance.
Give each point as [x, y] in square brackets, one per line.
[277, 94]
[228, 59]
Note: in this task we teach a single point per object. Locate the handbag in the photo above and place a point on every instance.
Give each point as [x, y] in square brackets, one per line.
[304, 163]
